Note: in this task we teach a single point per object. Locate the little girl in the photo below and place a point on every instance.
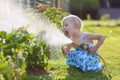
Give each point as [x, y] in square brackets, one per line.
[86, 60]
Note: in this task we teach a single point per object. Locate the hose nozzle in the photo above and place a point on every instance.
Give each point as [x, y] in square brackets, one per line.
[76, 43]
[83, 46]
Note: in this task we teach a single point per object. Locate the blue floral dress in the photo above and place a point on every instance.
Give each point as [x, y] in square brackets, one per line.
[83, 59]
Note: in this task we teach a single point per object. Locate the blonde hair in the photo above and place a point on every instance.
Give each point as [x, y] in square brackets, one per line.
[75, 19]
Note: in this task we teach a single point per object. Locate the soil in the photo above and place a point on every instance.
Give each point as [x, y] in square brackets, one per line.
[36, 70]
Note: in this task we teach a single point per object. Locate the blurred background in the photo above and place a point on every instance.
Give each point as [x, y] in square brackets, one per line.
[81, 8]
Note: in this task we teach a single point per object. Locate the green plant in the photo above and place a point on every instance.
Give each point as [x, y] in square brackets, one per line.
[12, 44]
[55, 15]
[3, 66]
[38, 53]
[20, 49]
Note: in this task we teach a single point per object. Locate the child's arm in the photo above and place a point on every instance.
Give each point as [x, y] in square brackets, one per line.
[66, 50]
[100, 40]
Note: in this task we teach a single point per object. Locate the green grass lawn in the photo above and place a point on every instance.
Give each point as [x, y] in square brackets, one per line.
[109, 51]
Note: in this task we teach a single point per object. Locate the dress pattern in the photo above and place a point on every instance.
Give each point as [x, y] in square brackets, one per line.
[83, 59]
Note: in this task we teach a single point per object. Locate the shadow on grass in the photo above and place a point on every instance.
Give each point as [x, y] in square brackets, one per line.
[76, 74]
[36, 77]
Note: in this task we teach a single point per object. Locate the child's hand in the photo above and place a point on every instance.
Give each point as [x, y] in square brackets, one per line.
[64, 50]
[93, 50]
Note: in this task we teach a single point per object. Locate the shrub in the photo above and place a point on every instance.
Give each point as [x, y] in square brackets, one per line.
[55, 15]
[20, 48]
[38, 53]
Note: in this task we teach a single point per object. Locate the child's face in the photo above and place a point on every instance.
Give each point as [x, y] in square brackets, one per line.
[68, 27]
